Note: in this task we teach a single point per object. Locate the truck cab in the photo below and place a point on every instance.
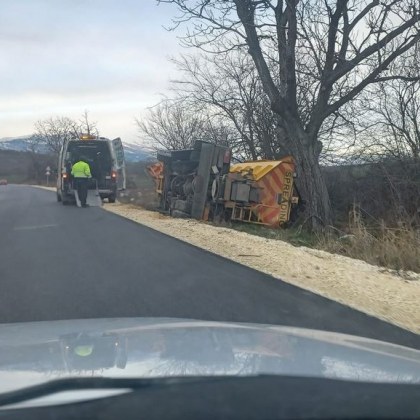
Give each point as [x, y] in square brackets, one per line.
[106, 160]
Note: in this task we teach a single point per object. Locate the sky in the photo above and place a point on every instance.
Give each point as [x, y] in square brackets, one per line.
[62, 57]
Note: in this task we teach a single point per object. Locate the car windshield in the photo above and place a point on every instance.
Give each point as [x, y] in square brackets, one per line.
[209, 188]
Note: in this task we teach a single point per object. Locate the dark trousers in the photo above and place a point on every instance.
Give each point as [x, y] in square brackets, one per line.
[82, 189]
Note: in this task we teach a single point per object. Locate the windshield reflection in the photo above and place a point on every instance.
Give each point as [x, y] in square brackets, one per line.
[167, 348]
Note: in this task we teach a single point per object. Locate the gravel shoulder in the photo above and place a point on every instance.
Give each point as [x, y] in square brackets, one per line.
[393, 297]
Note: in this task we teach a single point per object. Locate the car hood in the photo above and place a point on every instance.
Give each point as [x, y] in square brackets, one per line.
[32, 353]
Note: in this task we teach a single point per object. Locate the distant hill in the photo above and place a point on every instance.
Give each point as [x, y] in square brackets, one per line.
[21, 144]
[24, 167]
[137, 153]
[133, 152]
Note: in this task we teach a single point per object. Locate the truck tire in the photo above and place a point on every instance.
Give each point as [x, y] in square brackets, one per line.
[180, 214]
[58, 197]
[182, 205]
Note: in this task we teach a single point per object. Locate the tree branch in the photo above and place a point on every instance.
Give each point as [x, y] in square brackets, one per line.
[371, 78]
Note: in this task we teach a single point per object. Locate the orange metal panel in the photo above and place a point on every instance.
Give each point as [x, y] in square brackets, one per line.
[278, 181]
[259, 168]
[155, 170]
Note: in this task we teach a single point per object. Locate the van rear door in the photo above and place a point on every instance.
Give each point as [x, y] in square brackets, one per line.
[120, 162]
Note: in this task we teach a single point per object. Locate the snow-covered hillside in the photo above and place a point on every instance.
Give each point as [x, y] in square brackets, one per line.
[133, 152]
[21, 144]
[137, 153]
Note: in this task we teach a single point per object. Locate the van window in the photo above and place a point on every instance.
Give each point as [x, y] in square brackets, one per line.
[97, 154]
[90, 149]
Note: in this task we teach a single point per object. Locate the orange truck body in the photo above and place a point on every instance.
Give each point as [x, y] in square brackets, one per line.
[260, 192]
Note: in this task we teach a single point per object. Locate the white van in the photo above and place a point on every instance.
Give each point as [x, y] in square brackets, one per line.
[107, 165]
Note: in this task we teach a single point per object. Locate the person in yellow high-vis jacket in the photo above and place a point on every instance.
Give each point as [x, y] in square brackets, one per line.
[81, 174]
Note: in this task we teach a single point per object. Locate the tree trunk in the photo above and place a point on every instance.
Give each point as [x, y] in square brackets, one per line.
[313, 191]
[310, 182]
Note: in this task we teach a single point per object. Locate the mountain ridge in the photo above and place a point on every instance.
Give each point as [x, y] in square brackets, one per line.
[133, 152]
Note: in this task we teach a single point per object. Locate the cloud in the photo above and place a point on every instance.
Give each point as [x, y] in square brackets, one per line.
[95, 54]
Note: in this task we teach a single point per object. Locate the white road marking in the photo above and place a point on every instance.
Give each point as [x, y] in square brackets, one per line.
[34, 227]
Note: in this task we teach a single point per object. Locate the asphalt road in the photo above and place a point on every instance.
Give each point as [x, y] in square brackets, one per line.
[63, 262]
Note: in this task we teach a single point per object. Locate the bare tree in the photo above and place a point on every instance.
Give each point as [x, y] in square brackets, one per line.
[54, 131]
[229, 87]
[171, 125]
[36, 159]
[340, 46]
[85, 126]
[401, 117]
[216, 129]
[393, 118]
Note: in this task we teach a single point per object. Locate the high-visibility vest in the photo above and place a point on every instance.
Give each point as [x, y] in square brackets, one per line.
[81, 170]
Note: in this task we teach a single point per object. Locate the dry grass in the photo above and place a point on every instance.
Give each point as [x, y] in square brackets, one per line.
[395, 248]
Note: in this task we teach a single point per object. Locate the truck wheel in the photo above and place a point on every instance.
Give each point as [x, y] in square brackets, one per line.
[111, 199]
[58, 197]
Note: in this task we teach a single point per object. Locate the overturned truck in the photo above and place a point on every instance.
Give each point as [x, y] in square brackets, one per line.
[201, 183]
